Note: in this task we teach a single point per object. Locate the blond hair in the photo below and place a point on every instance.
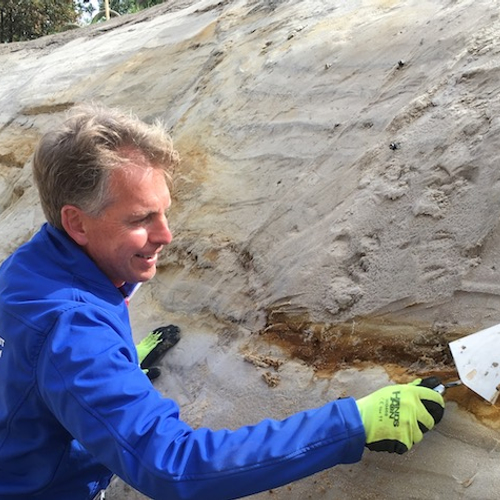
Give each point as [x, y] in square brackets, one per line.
[72, 163]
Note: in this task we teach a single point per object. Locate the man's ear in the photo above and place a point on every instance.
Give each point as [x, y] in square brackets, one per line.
[73, 222]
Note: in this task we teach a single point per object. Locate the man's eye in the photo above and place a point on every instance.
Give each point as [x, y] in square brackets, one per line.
[142, 220]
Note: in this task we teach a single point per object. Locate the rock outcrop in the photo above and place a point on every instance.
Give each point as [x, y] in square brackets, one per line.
[339, 189]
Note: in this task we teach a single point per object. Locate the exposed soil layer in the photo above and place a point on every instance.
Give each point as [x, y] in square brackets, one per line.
[406, 351]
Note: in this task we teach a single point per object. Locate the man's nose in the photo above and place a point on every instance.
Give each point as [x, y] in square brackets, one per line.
[161, 232]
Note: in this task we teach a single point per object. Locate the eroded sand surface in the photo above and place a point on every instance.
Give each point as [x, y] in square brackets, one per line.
[335, 215]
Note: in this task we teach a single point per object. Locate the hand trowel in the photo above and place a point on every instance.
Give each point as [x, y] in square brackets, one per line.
[477, 358]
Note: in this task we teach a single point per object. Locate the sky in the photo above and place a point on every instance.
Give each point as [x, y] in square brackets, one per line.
[95, 5]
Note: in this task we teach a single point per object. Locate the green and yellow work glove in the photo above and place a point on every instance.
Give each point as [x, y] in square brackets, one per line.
[397, 416]
[147, 344]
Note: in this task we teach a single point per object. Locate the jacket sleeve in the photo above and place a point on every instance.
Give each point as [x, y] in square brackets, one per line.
[89, 377]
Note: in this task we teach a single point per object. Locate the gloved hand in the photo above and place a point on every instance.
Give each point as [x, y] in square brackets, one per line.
[147, 344]
[397, 416]
[156, 344]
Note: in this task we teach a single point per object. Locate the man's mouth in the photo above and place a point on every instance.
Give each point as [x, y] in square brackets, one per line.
[151, 257]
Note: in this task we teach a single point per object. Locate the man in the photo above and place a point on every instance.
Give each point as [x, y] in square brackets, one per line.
[75, 406]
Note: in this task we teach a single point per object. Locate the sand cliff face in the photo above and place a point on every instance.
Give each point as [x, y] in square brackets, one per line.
[339, 192]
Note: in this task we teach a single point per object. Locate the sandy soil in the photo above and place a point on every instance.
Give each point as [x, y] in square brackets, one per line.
[335, 215]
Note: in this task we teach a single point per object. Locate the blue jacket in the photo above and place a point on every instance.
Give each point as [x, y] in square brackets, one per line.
[75, 406]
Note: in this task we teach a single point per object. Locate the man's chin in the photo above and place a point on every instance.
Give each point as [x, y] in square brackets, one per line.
[146, 276]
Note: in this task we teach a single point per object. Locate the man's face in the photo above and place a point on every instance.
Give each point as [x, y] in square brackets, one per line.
[125, 240]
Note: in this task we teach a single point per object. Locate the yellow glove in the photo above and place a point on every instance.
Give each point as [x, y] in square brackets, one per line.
[147, 344]
[397, 416]
[156, 344]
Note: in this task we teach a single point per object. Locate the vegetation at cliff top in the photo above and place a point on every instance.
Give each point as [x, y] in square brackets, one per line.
[22, 20]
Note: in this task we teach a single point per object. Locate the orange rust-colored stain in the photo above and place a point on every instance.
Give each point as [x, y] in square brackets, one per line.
[406, 351]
